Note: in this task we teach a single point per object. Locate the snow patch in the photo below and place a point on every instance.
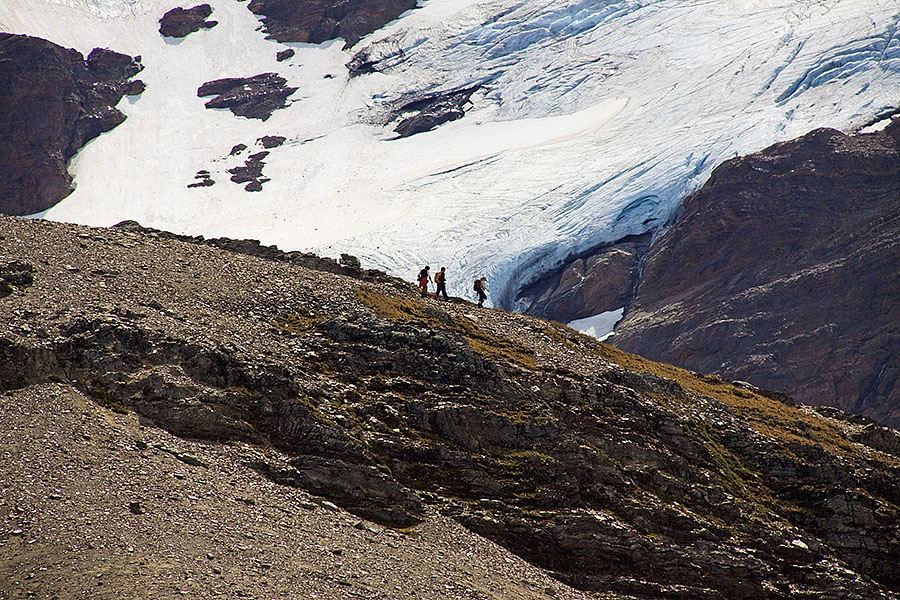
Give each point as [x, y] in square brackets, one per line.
[599, 326]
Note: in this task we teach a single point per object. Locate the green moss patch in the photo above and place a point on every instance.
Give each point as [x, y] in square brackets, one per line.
[487, 344]
[299, 323]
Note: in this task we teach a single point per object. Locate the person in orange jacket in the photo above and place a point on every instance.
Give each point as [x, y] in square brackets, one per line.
[440, 279]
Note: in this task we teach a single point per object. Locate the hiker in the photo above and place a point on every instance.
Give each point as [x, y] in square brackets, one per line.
[423, 280]
[440, 279]
[480, 286]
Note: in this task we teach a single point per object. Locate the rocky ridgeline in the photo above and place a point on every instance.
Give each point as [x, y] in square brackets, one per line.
[615, 474]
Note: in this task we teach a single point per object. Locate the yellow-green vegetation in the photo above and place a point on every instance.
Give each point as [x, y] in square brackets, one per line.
[737, 479]
[240, 391]
[102, 397]
[299, 323]
[487, 344]
[529, 415]
[767, 416]
[514, 457]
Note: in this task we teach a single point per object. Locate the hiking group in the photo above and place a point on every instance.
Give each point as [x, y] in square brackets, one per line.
[440, 282]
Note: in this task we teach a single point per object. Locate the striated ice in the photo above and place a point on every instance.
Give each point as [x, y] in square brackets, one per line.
[595, 118]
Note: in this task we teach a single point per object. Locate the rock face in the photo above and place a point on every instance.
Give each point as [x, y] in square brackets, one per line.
[202, 179]
[316, 21]
[617, 475]
[250, 172]
[53, 102]
[254, 97]
[181, 22]
[598, 282]
[783, 272]
[424, 114]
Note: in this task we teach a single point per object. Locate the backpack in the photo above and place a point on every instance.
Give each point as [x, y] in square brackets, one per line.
[439, 277]
[477, 285]
[423, 274]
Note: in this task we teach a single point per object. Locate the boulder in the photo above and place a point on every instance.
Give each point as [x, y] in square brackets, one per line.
[181, 22]
[426, 113]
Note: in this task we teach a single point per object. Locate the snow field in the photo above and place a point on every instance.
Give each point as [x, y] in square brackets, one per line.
[595, 119]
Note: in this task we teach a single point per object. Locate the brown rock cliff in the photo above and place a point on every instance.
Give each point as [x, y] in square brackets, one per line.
[783, 272]
[52, 103]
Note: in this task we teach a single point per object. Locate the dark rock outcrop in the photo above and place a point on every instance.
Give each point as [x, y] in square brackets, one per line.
[181, 22]
[52, 103]
[316, 21]
[599, 281]
[618, 475]
[271, 141]
[433, 110]
[135, 88]
[202, 179]
[250, 172]
[254, 97]
[783, 272]
[15, 274]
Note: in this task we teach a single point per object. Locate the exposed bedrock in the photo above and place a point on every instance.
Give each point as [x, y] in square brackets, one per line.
[426, 113]
[617, 475]
[52, 102]
[255, 97]
[250, 172]
[316, 21]
[783, 272]
[598, 281]
[181, 22]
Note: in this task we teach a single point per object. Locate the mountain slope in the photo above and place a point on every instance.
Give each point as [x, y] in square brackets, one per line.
[586, 121]
[783, 272]
[611, 473]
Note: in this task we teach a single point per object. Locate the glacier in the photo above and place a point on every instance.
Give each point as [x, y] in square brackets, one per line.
[592, 121]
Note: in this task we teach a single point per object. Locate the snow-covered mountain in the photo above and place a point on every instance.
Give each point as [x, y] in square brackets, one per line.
[590, 120]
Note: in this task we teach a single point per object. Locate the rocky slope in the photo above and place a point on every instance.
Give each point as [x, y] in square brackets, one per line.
[783, 272]
[183, 415]
[602, 280]
[53, 101]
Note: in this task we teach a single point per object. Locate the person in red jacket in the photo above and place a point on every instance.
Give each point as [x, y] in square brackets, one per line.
[424, 278]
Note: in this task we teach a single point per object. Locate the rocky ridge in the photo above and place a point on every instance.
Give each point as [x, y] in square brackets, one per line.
[783, 272]
[316, 390]
[53, 102]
